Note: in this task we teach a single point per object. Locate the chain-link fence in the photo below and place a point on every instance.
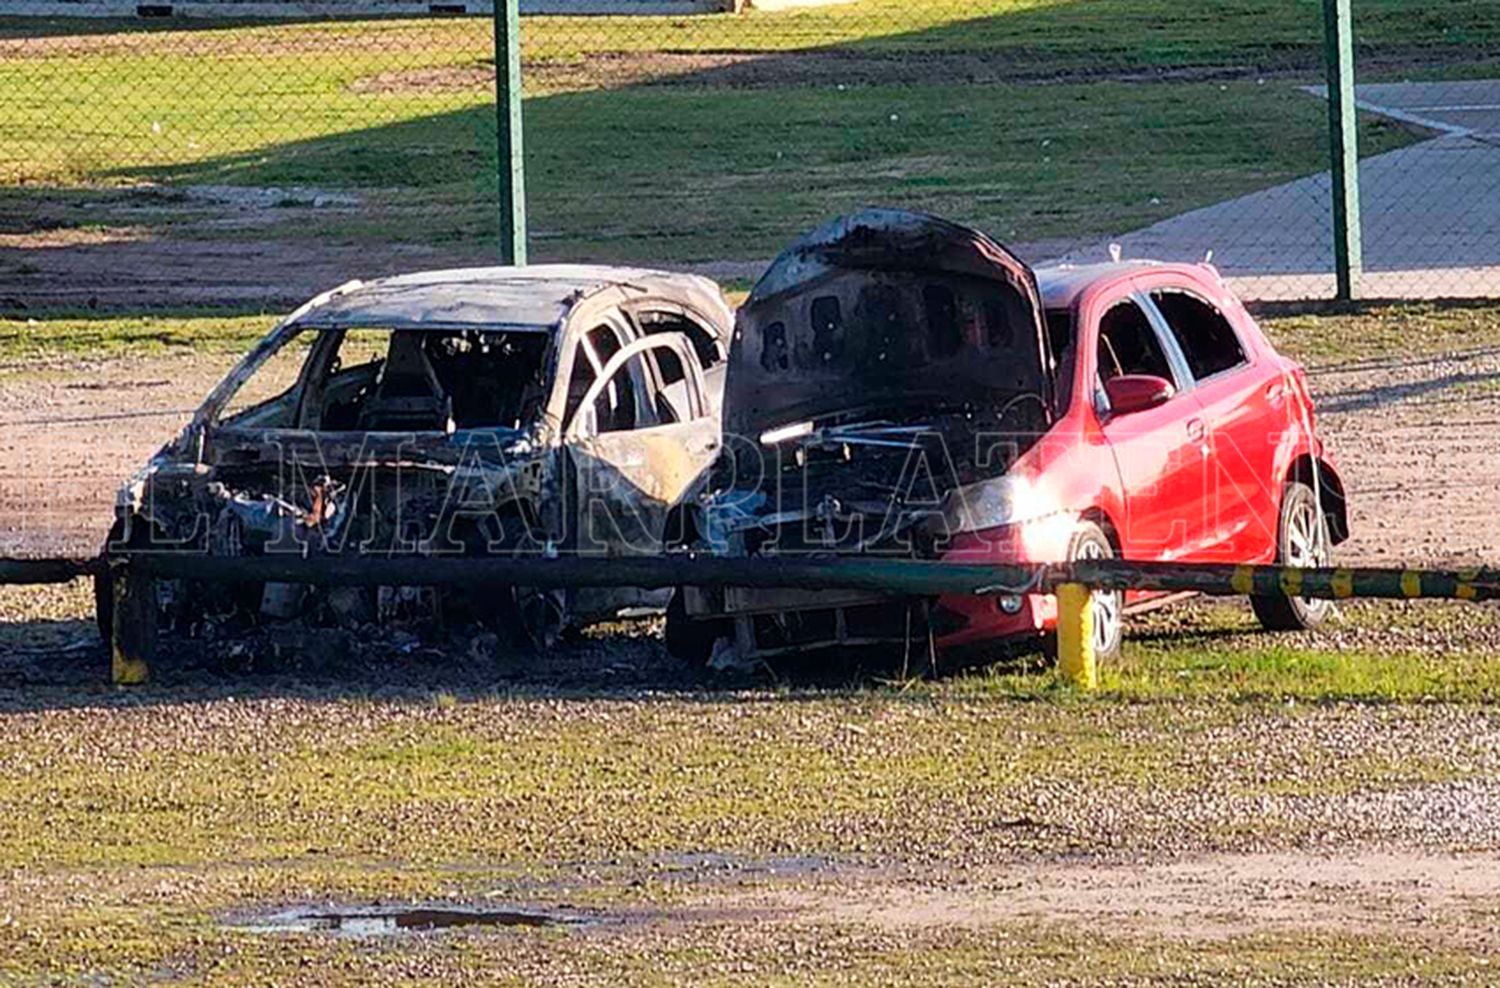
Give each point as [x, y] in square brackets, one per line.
[197, 159]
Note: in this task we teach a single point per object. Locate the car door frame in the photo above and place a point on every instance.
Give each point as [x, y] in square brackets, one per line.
[582, 429]
[582, 441]
[1131, 528]
[1244, 531]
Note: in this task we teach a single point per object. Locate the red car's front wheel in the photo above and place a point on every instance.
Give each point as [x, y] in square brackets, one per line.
[1091, 542]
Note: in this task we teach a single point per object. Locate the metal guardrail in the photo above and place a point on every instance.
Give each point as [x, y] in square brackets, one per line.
[134, 576]
[901, 577]
[37, 571]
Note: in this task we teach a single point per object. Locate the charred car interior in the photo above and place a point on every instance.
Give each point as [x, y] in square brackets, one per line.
[543, 410]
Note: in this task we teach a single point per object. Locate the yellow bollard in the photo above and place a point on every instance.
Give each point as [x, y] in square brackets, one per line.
[1076, 661]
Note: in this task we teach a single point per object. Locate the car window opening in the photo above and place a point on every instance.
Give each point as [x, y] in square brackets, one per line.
[1128, 345]
[589, 358]
[1060, 340]
[429, 380]
[1206, 338]
[615, 408]
[629, 401]
[705, 347]
[411, 381]
[672, 398]
[267, 398]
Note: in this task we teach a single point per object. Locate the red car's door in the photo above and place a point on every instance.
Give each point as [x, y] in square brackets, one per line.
[1246, 412]
[1160, 452]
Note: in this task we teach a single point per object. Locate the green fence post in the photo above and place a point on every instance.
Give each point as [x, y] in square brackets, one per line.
[1343, 139]
[510, 163]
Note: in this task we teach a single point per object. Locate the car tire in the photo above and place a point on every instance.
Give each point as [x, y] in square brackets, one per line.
[104, 604]
[1092, 542]
[689, 639]
[104, 586]
[1301, 540]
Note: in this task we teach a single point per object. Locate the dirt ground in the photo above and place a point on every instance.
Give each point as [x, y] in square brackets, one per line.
[932, 839]
[1417, 441]
[1190, 842]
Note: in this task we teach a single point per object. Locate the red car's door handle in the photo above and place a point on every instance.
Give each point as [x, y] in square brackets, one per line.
[1196, 430]
[1275, 392]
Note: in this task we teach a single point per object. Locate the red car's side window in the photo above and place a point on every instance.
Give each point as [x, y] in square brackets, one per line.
[1206, 338]
[1128, 344]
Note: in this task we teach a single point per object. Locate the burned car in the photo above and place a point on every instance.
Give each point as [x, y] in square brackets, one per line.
[544, 409]
[900, 385]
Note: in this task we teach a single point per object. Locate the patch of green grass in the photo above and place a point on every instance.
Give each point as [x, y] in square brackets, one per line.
[134, 826]
[749, 167]
[696, 170]
[1313, 674]
[1372, 651]
[1194, 668]
[136, 823]
[1373, 333]
[1146, 32]
[26, 341]
[1376, 332]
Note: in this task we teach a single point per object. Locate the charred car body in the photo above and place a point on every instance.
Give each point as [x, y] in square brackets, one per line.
[548, 409]
[902, 385]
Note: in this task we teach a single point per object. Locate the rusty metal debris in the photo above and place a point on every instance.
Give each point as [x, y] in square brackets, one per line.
[543, 410]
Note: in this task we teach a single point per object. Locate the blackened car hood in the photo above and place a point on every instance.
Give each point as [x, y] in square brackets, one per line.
[885, 309]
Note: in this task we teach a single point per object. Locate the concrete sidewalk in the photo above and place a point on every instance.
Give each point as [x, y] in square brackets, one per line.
[1431, 212]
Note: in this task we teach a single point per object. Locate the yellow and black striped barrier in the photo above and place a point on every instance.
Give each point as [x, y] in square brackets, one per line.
[134, 617]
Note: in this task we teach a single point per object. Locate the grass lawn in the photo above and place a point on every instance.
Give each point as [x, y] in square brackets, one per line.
[1078, 33]
[688, 819]
[704, 168]
[1408, 330]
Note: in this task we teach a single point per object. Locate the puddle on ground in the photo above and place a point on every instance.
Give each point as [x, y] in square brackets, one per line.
[369, 921]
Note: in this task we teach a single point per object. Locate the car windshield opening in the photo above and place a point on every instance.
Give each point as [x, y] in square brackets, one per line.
[414, 380]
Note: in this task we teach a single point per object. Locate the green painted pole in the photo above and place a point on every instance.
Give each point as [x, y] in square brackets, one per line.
[897, 577]
[1343, 135]
[510, 157]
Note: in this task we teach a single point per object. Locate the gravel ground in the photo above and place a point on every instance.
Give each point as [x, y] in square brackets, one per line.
[915, 838]
[1418, 444]
[970, 829]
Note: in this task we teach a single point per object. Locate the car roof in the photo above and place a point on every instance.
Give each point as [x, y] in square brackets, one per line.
[1061, 284]
[535, 298]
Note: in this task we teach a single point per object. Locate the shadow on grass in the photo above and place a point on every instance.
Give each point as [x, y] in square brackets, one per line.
[62, 664]
[704, 153]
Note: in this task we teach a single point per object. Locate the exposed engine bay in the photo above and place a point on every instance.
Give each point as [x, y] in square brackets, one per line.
[887, 371]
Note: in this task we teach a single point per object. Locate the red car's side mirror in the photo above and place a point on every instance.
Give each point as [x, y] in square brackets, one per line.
[1137, 392]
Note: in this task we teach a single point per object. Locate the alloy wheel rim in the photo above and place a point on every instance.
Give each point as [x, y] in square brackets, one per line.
[1105, 604]
[1307, 542]
[1307, 546]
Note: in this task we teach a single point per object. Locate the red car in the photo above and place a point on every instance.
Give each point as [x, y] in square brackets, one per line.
[905, 385]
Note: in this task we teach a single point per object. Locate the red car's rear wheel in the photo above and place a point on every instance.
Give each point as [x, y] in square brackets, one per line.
[1301, 541]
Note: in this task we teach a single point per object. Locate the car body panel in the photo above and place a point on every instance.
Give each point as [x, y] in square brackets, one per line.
[830, 324]
[1196, 477]
[272, 483]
